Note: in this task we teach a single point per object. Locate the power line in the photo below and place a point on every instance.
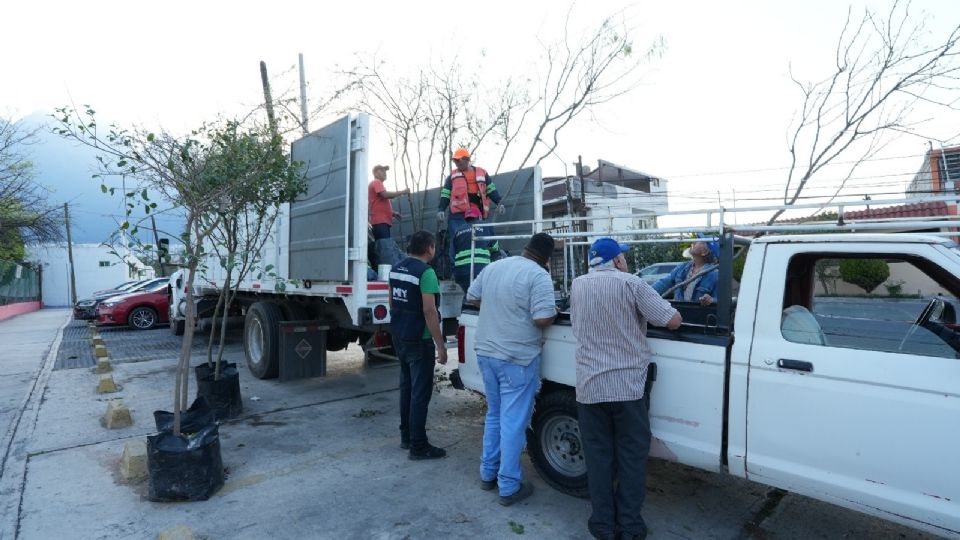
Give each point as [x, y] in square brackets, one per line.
[786, 168]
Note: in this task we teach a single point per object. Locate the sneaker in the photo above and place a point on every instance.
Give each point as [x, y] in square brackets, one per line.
[488, 485]
[525, 491]
[429, 452]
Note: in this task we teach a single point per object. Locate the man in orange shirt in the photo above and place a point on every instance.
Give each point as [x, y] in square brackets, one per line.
[378, 201]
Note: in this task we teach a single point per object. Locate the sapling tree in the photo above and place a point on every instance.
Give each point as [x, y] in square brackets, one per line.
[264, 177]
[197, 173]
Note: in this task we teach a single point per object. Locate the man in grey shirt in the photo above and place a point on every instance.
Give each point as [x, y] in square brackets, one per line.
[609, 311]
[516, 302]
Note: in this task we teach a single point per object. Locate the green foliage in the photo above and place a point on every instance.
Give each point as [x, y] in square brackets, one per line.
[646, 254]
[516, 528]
[217, 174]
[867, 274]
[11, 245]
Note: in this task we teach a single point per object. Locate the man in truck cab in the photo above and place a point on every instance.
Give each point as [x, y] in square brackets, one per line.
[702, 289]
[516, 302]
[415, 327]
[466, 187]
[609, 310]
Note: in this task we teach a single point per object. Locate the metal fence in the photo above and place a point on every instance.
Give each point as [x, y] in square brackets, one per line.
[18, 283]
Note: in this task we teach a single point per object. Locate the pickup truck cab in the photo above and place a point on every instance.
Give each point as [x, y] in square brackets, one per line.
[808, 383]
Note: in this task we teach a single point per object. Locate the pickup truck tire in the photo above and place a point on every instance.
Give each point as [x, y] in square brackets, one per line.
[261, 339]
[554, 445]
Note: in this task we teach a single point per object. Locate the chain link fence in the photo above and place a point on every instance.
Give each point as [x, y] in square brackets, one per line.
[18, 283]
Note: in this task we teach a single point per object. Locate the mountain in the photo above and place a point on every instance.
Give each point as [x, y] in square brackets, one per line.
[66, 168]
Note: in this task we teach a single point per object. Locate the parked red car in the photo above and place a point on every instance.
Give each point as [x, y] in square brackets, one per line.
[141, 310]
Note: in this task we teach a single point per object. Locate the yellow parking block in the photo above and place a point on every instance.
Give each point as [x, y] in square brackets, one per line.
[133, 462]
[180, 532]
[117, 415]
[107, 385]
[103, 365]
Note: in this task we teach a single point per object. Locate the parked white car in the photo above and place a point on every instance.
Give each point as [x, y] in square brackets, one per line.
[651, 274]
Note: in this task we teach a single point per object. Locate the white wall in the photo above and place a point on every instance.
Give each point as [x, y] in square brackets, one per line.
[90, 275]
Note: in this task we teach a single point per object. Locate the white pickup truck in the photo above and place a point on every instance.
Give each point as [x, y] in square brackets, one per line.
[818, 388]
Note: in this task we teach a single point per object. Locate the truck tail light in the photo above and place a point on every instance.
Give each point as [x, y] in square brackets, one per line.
[381, 339]
[461, 343]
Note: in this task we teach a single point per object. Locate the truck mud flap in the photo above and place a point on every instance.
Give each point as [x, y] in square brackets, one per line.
[303, 350]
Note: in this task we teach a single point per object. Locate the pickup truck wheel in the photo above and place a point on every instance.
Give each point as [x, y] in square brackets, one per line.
[554, 443]
[261, 339]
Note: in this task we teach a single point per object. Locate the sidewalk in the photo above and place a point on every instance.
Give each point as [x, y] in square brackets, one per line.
[30, 343]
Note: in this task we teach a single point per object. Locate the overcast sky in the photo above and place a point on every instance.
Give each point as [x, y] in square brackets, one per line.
[719, 100]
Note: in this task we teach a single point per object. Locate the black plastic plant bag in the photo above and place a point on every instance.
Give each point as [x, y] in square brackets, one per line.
[185, 468]
[198, 416]
[222, 394]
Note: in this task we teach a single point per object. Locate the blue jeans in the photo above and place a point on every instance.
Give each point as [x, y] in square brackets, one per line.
[510, 389]
[381, 231]
[455, 222]
[416, 389]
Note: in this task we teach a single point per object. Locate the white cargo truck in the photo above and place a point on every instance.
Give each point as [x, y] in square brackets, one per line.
[313, 268]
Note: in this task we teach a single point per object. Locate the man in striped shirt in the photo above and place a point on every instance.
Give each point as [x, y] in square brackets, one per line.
[609, 310]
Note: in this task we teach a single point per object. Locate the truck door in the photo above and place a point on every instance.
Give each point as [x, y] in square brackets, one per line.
[854, 378]
[330, 219]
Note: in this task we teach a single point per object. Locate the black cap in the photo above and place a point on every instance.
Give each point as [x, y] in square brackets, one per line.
[541, 245]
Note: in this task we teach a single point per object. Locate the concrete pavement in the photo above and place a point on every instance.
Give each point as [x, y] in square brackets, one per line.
[319, 458]
[30, 343]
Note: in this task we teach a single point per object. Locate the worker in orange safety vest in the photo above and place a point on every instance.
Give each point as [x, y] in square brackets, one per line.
[466, 187]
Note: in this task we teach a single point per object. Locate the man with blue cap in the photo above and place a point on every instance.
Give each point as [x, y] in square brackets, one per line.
[609, 310]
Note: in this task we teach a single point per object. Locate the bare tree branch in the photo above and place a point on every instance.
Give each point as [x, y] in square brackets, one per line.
[882, 70]
[24, 206]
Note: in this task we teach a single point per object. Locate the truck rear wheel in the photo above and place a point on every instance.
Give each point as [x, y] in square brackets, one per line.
[261, 339]
[554, 443]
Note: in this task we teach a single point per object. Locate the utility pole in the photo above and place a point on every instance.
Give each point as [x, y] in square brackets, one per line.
[156, 243]
[73, 279]
[581, 225]
[268, 98]
[303, 97]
